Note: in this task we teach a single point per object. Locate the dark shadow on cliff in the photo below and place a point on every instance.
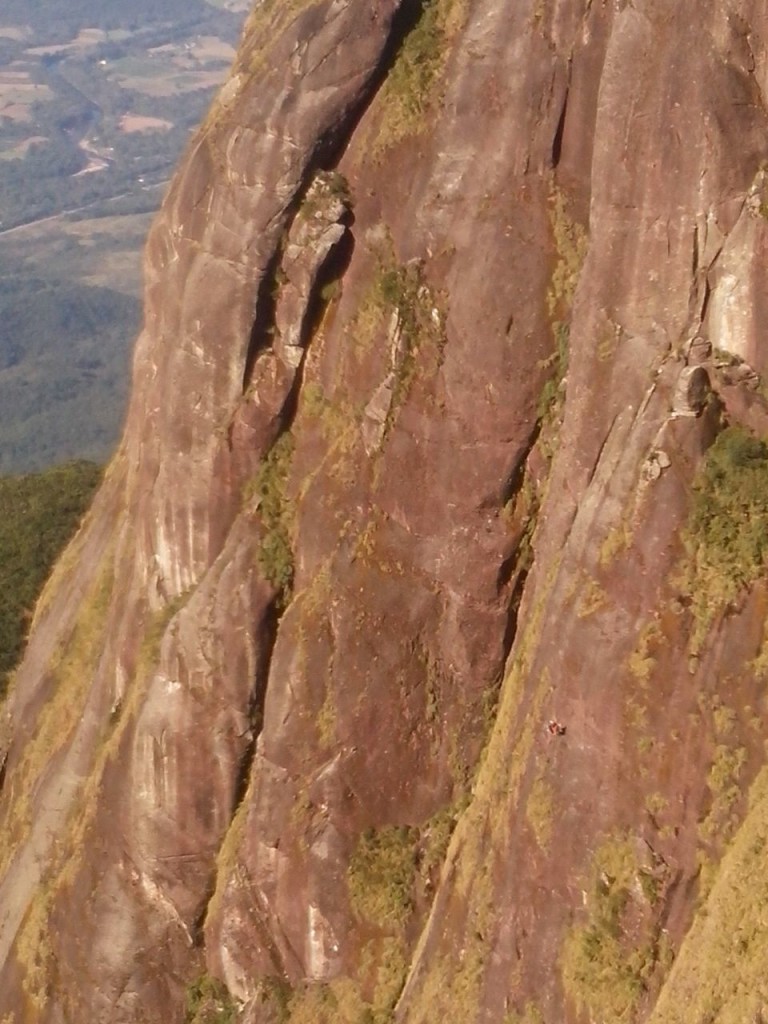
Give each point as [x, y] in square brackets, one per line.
[514, 569]
[557, 143]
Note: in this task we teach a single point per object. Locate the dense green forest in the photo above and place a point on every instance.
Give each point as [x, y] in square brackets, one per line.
[38, 515]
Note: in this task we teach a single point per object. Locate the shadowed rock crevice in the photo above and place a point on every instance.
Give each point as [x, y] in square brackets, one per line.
[516, 478]
[264, 327]
[705, 299]
[328, 271]
[330, 280]
[264, 317]
[557, 142]
[522, 496]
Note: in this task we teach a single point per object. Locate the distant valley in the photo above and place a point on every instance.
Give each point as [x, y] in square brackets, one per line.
[97, 101]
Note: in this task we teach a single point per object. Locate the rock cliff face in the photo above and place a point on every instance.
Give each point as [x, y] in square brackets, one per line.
[445, 425]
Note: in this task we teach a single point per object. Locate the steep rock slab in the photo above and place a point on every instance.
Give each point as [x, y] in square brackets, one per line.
[604, 616]
[329, 546]
[383, 674]
[174, 493]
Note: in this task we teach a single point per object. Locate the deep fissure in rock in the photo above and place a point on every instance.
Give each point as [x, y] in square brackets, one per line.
[264, 315]
[557, 143]
[518, 565]
[256, 718]
[333, 270]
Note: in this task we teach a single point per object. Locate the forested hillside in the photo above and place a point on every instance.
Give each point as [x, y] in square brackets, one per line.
[38, 515]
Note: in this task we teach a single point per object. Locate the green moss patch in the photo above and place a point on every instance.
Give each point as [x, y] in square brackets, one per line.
[412, 89]
[209, 1002]
[381, 875]
[726, 538]
[268, 490]
[607, 961]
[720, 972]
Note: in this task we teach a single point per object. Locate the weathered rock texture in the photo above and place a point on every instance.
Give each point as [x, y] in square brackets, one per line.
[444, 309]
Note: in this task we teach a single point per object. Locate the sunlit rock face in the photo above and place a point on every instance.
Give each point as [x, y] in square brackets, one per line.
[408, 665]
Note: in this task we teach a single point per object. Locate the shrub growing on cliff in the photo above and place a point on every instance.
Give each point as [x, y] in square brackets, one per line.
[726, 538]
[381, 875]
[413, 85]
[209, 1002]
[268, 488]
[605, 969]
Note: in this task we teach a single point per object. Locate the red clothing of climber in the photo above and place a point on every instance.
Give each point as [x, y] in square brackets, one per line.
[554, 728]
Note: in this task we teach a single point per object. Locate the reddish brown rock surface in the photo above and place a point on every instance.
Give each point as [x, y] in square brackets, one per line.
[406, 475]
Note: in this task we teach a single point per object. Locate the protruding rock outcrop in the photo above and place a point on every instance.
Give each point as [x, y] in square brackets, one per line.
[697, 350]
[315, 235]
